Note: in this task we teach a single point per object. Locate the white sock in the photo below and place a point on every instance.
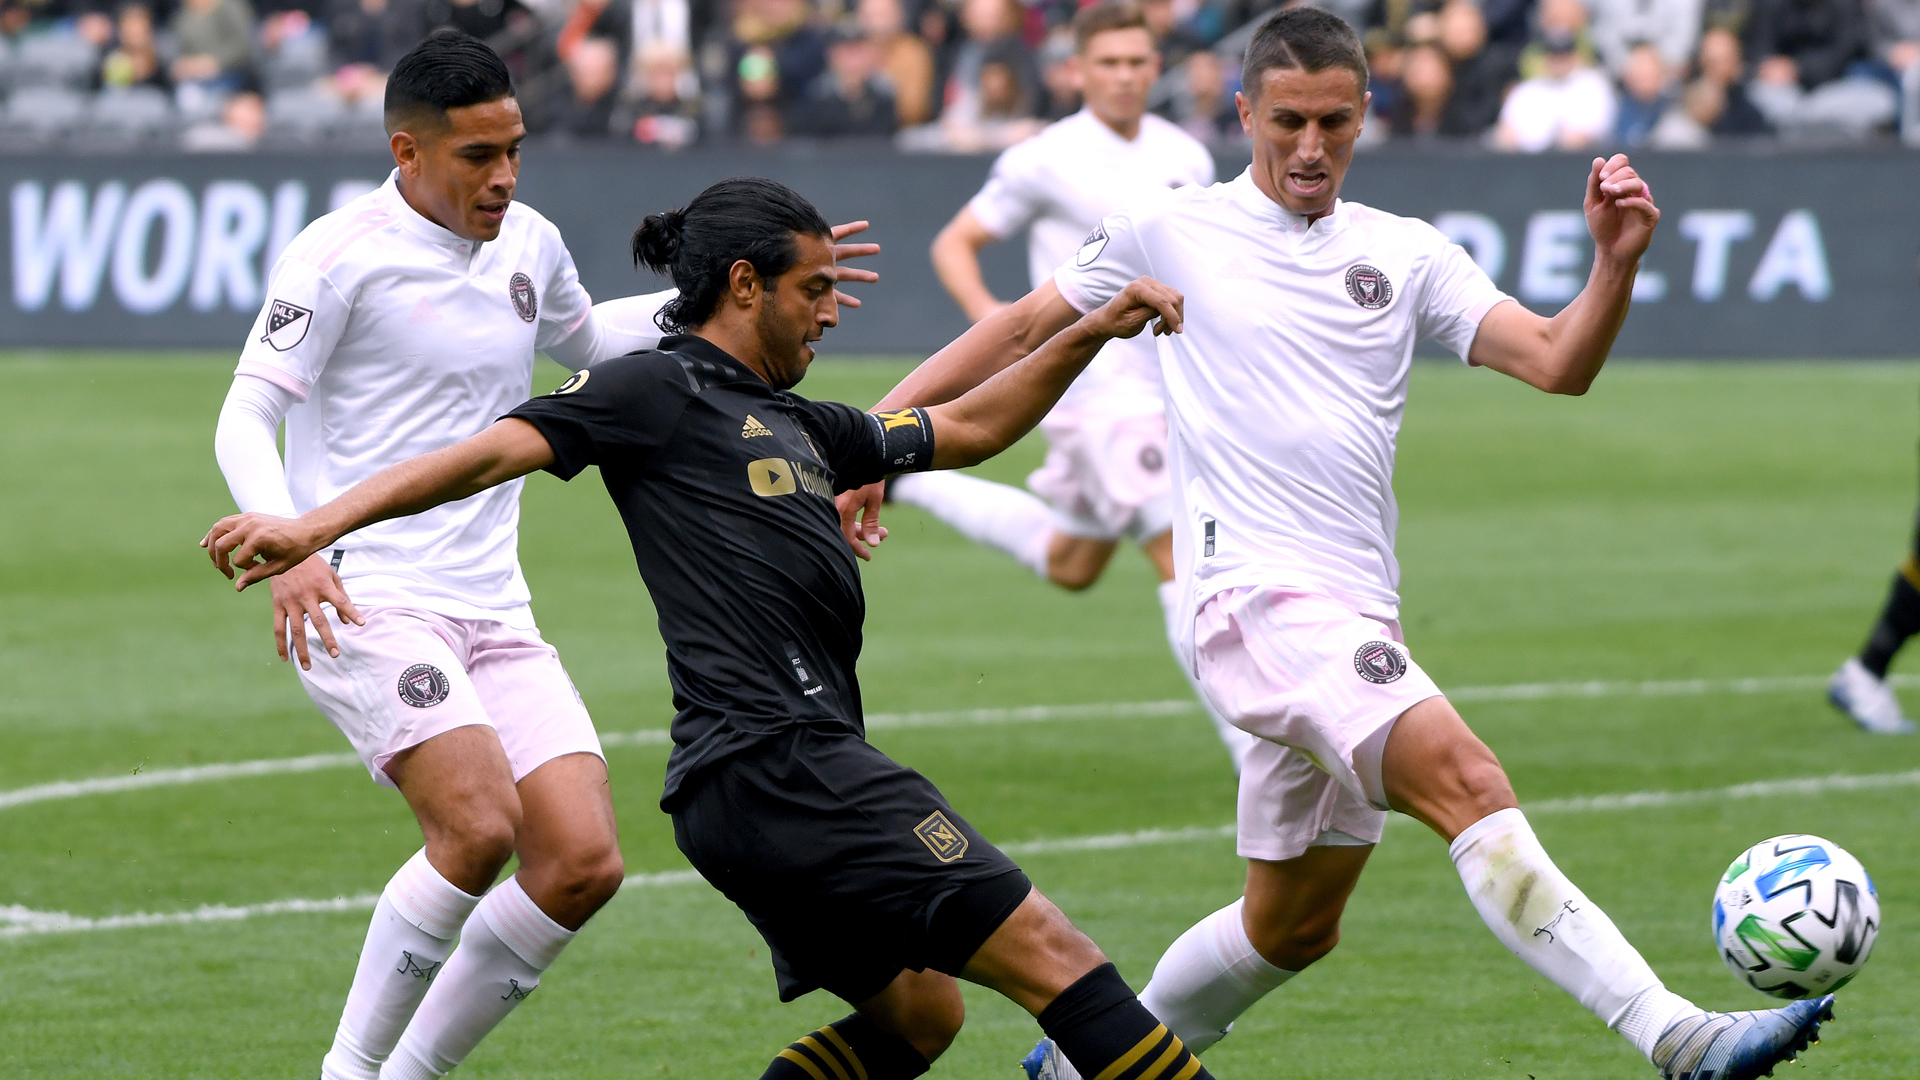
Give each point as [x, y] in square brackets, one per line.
[504, 947]
[1209, 977]
[1237, 742]
[1544, 920]
[982, 511]
[414, 924]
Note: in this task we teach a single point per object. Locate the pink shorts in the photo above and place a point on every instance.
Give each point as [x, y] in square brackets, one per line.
[1321, 685]
[409, 675]
[1106, 472]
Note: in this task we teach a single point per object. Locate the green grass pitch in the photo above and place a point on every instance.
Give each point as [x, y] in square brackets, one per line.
[1712, 522]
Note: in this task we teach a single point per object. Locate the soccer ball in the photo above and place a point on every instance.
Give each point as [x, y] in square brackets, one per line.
[1795, 916]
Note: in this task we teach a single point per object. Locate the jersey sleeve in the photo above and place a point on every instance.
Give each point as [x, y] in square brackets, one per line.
[564, 305]
[296, 330]
[862, 447]
[614, 413]
[1014, 194]
[1109, 259]
[1457, 296]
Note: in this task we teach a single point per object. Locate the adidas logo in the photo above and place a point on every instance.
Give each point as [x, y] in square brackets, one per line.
[753, 429]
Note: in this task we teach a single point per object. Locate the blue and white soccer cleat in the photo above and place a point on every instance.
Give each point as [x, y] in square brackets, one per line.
[1739, 1046]
[1867, 700]
[1046, 1062]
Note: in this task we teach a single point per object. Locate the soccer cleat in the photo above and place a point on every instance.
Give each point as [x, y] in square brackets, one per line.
[1867, 700]
[1046, 1062]
[1738, 1046]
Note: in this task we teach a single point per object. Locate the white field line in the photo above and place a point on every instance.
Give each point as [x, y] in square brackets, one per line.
[199, 774]
[17, 921]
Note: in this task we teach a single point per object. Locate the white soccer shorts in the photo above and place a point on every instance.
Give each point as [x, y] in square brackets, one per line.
[408, 675]
[1321, 685]
[1105, 474]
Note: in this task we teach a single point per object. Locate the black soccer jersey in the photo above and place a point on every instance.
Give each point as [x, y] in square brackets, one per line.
[726, 487]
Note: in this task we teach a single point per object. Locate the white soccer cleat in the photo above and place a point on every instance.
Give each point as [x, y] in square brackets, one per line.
[1867, 700]
[1739, 1046]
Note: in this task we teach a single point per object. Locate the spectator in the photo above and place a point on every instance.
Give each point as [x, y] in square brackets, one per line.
[1569, 106]
[487, 20]
[851, 99]
[1690, 127]
[1482, 71]
[1809, 78]
[784, 30]
[665, 107]
[1000, 111]
[134, 59]
[1426, 82]
[905, 60]
[1558, 19]
[991, 26]
[1174, 41]
[1721, 64]
[583, 109]
[215, 39]
[1204, 105]
[1646, 95]
[1894, 33]
[1672, 27]
[1059, 83]
[243, 119]
[757, 88]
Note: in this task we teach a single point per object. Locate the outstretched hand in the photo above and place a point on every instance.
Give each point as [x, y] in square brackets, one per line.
[860, 518]
[843, 252]
[266, 546]
[1142, 301]
[259, 546]
[1620, 210]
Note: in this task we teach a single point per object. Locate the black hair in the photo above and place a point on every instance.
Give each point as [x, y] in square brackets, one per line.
[449, 70]
[1304, 38]
[747, 217]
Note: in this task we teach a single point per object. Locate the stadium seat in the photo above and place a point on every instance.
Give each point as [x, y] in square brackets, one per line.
[54, 59]
[126, 118]
[41, 116]
[296, 64]
[301, 118]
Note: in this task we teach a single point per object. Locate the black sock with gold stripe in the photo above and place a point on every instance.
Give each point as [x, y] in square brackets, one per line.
[1108, 1035]
[1899, 620]
[851, 1049]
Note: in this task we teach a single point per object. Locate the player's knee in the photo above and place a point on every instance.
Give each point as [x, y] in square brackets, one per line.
[482, 838]
[1296, 946]
[1073, 575]
[933, 1025]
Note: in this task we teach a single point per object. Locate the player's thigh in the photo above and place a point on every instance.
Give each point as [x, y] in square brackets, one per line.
[1293, 907]
[567, 826]
[400, 681]
[1076, 562]
[1434, 768]
[1033, 955]
[460, 788]
[922, 1007]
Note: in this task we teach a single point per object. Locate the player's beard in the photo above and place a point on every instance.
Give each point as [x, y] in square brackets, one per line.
[784, 347]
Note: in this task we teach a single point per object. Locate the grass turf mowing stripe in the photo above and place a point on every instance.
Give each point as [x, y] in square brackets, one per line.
[197, 774]
[17, 921]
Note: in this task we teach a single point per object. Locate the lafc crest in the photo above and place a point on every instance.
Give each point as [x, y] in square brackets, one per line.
[946, 842]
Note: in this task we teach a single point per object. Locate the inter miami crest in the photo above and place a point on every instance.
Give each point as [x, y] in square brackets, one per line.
[1092, 246]
[946, 842]
[525, 302]
[1369, 287]
[286, 325]
[1379, 662]
[423, 686]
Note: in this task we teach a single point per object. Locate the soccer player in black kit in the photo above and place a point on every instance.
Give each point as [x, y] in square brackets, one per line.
[860, 876]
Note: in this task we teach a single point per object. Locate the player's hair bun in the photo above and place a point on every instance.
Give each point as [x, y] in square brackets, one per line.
[657, 242]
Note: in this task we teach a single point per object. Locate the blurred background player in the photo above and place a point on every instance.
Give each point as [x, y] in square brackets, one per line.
[1105, 476]
[1859, 689]
[400, 323]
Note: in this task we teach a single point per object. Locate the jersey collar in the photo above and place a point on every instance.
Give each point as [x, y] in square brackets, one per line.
[412, 220]
[1248, 196]
[700, 349]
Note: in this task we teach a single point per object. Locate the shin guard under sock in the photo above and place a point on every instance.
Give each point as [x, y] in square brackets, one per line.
[853, 1047]
[1105, 1032]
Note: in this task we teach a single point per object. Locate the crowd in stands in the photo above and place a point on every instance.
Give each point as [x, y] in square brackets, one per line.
[952, 75]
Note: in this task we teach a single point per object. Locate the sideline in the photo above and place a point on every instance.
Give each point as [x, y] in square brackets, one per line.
[200, 774]
[17, 921]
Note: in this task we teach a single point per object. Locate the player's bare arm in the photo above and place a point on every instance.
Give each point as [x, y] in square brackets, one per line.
[994, 415]
[260, 546]
[1563, 355]
[956, 260]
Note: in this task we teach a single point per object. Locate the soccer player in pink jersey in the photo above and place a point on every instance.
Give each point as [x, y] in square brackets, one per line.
[1285, 395]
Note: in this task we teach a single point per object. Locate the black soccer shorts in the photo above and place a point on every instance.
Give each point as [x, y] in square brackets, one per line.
[851, 865]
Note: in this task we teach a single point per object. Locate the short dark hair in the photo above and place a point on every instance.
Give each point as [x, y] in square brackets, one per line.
[448, 70]
[1304, 38]
[747, 217]
[1104, 16]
